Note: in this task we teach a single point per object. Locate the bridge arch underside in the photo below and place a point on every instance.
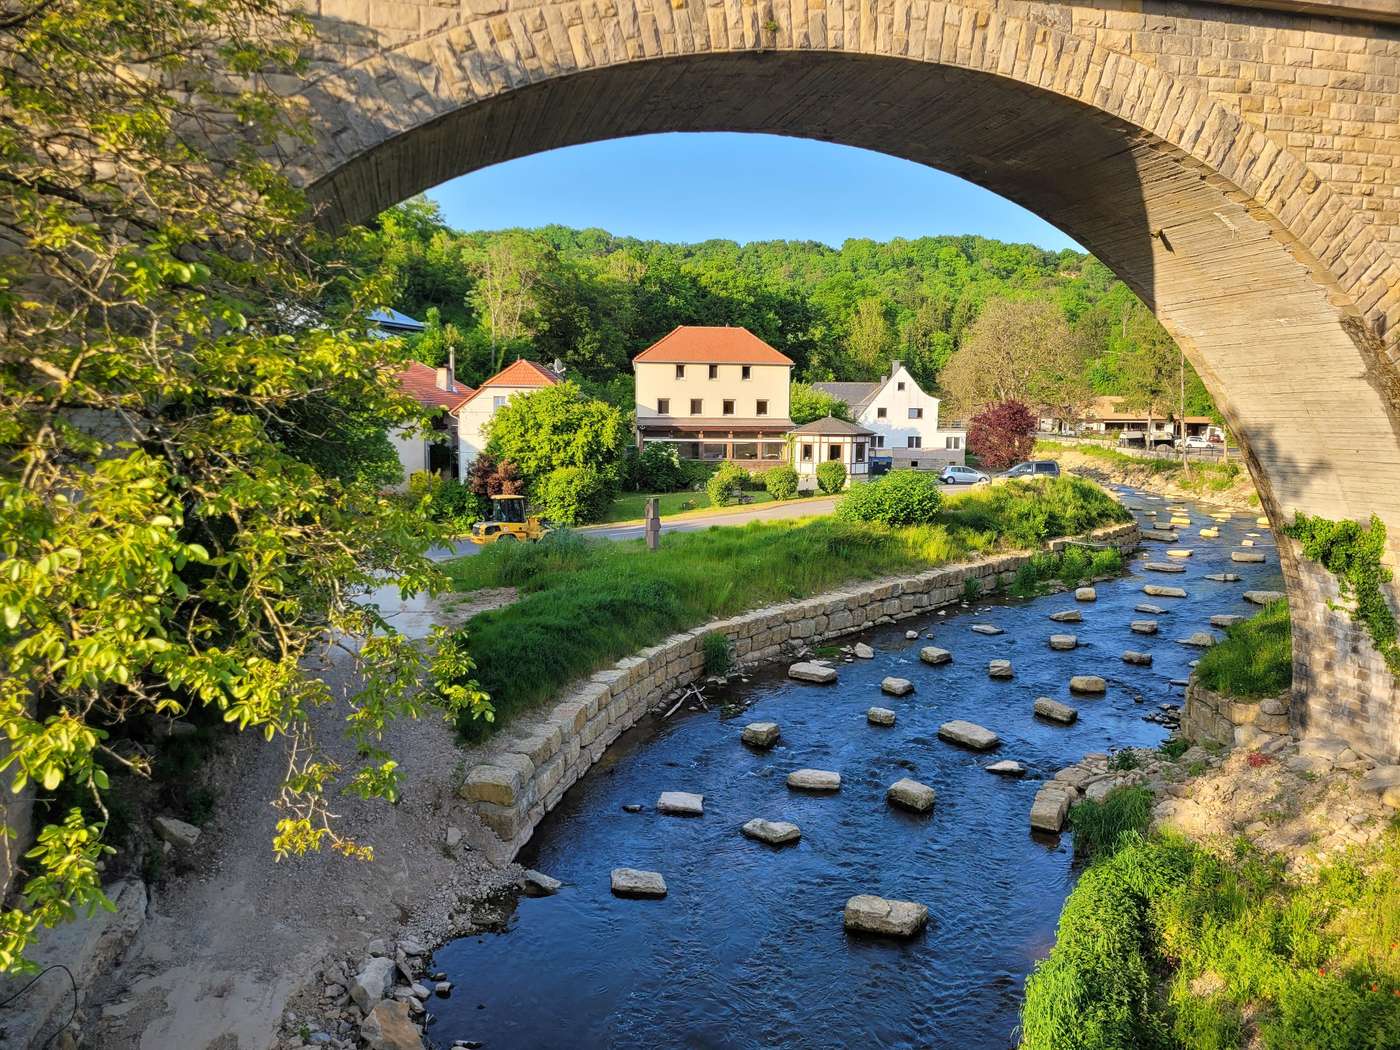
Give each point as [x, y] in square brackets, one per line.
[1278, 340]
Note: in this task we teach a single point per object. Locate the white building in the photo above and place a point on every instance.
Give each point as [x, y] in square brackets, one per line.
[437, 390]
[830, 440]
[481, 405]
[903, 419]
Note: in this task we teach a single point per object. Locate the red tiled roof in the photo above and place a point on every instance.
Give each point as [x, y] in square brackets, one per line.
[419, 381]
[701, 344]
[521, 373]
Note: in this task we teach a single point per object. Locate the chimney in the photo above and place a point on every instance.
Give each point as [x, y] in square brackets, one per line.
[895, 366]
[444, 380]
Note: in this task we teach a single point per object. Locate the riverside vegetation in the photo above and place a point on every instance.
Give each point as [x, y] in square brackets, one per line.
[1256, 658]
[586, 604]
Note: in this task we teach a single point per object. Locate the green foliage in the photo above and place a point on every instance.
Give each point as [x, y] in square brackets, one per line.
[806, 403]
[658, 468]
[193, 431]
[901, 497]
[1071, 567]
[1256, 658]
[573, 495]
[1352, 553]
[725, 484]
[583, 604]
[1122, 761]
[558, 426]
[831, 476]
[1174, 749]
[781, 482]
[1102, 827]
[1027, 512]
[445, 501]
[715, 646]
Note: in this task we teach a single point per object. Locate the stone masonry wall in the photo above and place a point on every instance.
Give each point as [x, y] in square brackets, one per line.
[525, 774]
[1211, 716]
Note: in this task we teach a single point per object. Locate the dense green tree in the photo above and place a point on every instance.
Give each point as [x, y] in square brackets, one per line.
[555, 427]
[806, 403]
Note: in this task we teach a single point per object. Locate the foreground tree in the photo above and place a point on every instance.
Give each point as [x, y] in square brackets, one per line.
[179, 367]
[1002, 434]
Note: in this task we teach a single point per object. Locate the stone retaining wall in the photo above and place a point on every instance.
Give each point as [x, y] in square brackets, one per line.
[525, 774]
[1235, 723]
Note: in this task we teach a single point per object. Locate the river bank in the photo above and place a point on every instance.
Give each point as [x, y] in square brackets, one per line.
[1225, 485]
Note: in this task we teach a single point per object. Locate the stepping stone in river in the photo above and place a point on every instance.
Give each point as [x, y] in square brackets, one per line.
[1087, 683]
[880, 716]
[630, 882]
[911, 795]
[1199, 640]
[1143, 627]
[863, 651]
[1085, 594]
[1247, 543]
[1262, 597]
[1151, 610]
[897, 686]
[931, 654]
[1068, 616]
[1050, 808]
[681, 804]
[1063, 642]
[812, 672]
[1160, 535]
[1225, 620]
[1163, 566]
[538, 884]
[911, 635]
[1006, 768]
[773, 832]
[814, 780]
[760, 734]
[1223, 577]
[1131, 656]
[1253, 557]
[986, 628]
[1055, 711]
[968, 734]
[1163, 592]
[1210, 534]
[999, 668]
[1181, 552]
[884, 918]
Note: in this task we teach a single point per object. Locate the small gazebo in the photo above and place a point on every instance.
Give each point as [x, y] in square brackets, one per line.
[830, 440]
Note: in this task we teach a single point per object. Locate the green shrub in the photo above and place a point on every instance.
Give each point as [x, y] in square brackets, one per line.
[1101, 827]
[781, 482]
[573, 495]
[445, 501]
[725, 484]
[715, 646]
[1174, 749]
[902, 497]
[695, 472]
[1256, 657]
[831, 476]
[1072, 567]
[658, 469]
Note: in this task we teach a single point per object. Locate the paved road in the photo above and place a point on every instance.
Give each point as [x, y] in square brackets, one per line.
[728, 516]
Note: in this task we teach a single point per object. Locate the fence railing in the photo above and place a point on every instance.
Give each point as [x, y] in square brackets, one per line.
[1215, 454]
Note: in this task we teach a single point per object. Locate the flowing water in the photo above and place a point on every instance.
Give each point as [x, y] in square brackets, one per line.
[747, 950]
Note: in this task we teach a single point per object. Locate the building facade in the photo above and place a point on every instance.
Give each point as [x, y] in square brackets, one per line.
[830, 440]
[437, 390]
[475, 413]
[903, 420]
[714, 393]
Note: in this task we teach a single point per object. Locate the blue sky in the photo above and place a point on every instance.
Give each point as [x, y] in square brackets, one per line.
[692, 187]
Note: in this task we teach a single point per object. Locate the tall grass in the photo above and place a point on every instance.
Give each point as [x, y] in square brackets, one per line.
[1255, 659]
[585, 604]
[1101, 827]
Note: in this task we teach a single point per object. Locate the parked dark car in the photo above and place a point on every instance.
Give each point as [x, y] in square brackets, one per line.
[1039, 468]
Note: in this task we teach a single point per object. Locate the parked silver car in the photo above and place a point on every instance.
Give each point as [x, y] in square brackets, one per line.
[957, 475]
[1038, 468]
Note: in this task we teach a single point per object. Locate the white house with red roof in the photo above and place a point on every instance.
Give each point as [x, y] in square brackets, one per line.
[437, 390]
[476, 411]
[715, 393]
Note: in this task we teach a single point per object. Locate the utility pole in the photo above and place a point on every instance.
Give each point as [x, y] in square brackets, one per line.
[1181, 404]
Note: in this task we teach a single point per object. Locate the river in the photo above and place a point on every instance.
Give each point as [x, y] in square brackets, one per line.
[747, 950]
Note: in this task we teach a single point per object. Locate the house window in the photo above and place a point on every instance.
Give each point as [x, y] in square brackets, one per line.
[881, 413]
[916, 442]
[916, 413]
[714, 371]
[806, 453]
[860, 451]
[913, 464]
[834, 452]
[745, 372]
[680, 371]
[696, 406]
[899, 385]
[952, 442]
[728, 407]
[879, 440]
[760, 408]
[663, 405]
[497, 402]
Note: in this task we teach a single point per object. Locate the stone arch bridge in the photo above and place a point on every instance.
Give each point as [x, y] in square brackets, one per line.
[1236, 164]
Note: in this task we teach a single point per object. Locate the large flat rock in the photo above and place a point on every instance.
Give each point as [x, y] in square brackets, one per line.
[681, 804]
[1160, 535]
[1139, 659]
[1000, 669]
[1198, 640]
[1087, 683]
[1068, 616]
[880, 716]
[1262, 597]
[632, 882]
[968, 734]
[1143, 627]
[1085, 594]
[896, 686]
[1163, 566]
[931, 654]
[773, 832]
[1158, 591]
[1223, 577]
[1054, 710]
[1150, 609]
[1007, 768]
[1248, 557]
[1049, 809]
[389, 1026]
[987, 629]
[807, 671]
[1225, 620]
[814, 780]
[884, 918]
[761, 734]
[911, 795]
[1063, 642]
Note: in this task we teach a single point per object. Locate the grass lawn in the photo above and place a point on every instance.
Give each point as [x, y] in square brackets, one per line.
[1256, 658]
[632, 506]
[586, 603]
[1201, 478]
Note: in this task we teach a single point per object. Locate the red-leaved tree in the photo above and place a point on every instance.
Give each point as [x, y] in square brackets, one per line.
[1002, 434]
[488, 477]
